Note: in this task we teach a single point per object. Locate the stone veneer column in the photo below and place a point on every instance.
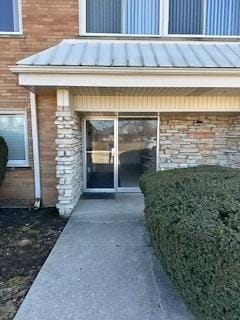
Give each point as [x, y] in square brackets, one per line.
[69, 154]
[233, 142]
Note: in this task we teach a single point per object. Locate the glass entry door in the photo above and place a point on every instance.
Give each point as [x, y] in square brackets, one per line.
[117, 152]
[137, 149]
[100, 155]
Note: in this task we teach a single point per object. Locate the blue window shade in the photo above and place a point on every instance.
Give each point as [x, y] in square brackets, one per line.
[103, 16]
[141, 16]
[6, 16]
[222, 17]
[185, 16]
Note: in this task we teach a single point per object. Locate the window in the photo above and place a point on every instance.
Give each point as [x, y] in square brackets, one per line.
[123, 16]
[9, 16]
[222, 17]
[163, 17]
[204, 17]
[185, 17]
[13, 128]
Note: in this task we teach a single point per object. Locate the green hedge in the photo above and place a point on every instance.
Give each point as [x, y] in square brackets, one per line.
[3, 158]
[193, 216]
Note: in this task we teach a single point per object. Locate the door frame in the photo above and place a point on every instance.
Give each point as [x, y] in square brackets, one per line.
[115, 121]
[103, 190]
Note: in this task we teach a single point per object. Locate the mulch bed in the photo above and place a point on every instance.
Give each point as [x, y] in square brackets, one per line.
[26, 238]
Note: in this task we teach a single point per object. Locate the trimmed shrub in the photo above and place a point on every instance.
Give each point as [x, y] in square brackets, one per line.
[3, 158]
[193, 216]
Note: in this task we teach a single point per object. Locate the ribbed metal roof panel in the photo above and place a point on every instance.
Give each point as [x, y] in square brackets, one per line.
[75, 56]
[105, 55]
[203, 56]
[119, 55]
[148, 55]
[89, 55]
[189, 55]
[134, 56]
[162, 57]
[155, 54]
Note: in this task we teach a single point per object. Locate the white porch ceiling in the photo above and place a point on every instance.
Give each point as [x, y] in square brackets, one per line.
[120, 91]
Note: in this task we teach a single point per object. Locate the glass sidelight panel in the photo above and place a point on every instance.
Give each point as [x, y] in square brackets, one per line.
[100, 173]
[137, 142]
[100, 154]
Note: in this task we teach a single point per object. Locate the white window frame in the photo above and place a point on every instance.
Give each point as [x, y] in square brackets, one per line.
[163, 28]
[19, 163]
[20, 23]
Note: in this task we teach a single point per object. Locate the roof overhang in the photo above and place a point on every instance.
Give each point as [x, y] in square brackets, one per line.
[60, 76]
[127, 64]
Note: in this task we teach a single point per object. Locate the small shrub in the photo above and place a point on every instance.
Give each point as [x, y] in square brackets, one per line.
[3, 158]
[193, 216]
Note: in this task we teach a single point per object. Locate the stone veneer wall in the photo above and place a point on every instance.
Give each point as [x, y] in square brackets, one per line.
[233, 142]
[188, 140]
[69, 159]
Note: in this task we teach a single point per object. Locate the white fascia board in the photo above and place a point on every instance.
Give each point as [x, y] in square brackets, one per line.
[120, 70]
[127, 77]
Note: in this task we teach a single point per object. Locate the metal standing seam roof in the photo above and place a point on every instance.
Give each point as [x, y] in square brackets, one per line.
[114, 53]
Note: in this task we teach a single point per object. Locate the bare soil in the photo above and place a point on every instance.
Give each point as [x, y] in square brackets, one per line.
[26, 239]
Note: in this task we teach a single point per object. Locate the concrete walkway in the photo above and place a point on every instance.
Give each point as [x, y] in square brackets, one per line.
[103, 268]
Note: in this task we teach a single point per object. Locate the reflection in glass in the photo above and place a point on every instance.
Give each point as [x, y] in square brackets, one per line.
[100, 170]
[100, 159]
[137, 141]
[12, 130]
[123, 16]
[185, 17]
[100, 135]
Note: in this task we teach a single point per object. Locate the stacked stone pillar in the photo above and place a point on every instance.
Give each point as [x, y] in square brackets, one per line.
[69, 154]
[233, 142]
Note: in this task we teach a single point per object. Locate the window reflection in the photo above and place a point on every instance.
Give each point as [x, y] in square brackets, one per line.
[100, 135]
[100, 159]
[12, 130]
[137, 150]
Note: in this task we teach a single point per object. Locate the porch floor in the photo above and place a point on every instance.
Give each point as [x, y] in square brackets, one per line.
[103, 268]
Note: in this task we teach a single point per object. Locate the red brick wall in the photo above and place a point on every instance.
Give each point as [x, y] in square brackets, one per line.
[45, 23]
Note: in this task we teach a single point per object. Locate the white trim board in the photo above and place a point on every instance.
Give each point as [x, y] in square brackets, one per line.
[127, 77]
[43, 69]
